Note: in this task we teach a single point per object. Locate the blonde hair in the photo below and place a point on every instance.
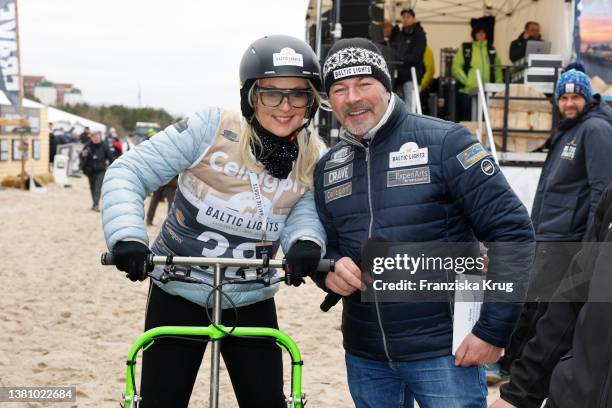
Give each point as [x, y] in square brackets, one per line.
[310, 146]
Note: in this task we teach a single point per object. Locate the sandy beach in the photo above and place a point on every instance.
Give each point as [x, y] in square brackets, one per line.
[66, 320]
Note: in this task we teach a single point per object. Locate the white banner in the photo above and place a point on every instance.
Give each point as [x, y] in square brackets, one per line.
[9, 61]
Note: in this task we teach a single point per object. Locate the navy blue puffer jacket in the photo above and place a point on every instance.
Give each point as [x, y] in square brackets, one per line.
[448, 190]
[577, 170]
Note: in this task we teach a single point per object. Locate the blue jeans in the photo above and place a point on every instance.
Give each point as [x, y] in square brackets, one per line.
[433, 383]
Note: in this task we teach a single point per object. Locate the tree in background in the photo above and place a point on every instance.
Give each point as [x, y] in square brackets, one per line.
[121, 117]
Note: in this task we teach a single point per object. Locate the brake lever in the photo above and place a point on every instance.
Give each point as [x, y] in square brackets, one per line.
[167, 276]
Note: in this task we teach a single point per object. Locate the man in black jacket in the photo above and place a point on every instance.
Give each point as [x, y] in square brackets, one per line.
[409, 44]
[577, 170]
[569, 361]
[519, 46]
[95, 158]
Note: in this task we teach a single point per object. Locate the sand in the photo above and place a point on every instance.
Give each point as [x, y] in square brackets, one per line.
[66, 320]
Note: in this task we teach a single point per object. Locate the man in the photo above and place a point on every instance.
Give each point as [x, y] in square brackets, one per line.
[52, 145]
[409, 44]
[84, 137]
[478, 54]
[576, 171]
[95, 158]
[397, 352]
[60, 137]
[569, 360]
[518, 46]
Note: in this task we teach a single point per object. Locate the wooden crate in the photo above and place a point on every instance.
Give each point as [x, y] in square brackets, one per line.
[528, 115]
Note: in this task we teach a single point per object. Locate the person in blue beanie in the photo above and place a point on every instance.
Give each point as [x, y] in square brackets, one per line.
[576, 172]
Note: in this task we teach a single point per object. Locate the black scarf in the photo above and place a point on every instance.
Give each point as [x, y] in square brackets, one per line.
[276, 153]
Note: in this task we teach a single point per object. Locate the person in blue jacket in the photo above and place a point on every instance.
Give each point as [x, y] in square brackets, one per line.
[243, 180]
[576, 172]
[400, 177]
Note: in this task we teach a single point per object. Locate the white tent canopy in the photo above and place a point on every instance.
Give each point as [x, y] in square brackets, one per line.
[66, 120]
[447, 22]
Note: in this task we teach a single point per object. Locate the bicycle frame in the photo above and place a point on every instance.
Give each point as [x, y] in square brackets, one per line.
[216, 331]
[297, 399]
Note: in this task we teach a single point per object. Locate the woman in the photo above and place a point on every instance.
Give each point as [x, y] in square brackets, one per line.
[476, 55]
[225, 163]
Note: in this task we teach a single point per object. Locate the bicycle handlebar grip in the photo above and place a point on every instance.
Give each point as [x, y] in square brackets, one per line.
[325, 265]
[107, 258]
[330, 301]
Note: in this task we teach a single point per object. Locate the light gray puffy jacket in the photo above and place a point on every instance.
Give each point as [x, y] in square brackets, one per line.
[214, 213]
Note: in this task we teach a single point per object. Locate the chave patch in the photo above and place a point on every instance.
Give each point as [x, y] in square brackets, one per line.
[338, 175]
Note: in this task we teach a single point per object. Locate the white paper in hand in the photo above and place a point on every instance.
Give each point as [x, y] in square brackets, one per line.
[467, 311]
[465, 317]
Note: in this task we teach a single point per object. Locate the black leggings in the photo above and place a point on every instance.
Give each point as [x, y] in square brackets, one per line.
[170, 366]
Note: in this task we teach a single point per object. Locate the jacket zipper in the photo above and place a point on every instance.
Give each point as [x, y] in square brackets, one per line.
[378, 316]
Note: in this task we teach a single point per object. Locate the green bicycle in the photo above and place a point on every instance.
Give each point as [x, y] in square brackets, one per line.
[216, 331]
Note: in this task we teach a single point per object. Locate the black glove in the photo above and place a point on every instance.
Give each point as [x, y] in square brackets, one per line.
[302, 260]
[131, 257]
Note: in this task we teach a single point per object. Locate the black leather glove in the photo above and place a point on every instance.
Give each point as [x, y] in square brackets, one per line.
[302, 260]
[131, 257]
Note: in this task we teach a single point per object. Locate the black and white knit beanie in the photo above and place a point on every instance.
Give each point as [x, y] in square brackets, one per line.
[352, 57]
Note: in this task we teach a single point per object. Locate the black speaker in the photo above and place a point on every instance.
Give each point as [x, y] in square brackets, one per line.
[327, 25]
[362, 18]
[360, 11]
[372, 31]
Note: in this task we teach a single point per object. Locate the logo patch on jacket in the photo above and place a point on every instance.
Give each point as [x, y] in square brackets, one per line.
[343, 190]
[487, 167]
[338, 175]
[471, 155]
[340, 157]
[569, 151]
[181, 125]
[409, 177]
[409, 154]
